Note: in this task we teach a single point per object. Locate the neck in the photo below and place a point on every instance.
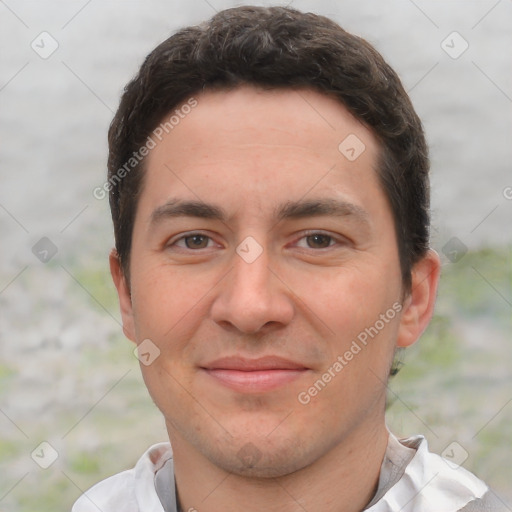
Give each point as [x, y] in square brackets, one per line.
[345, 478]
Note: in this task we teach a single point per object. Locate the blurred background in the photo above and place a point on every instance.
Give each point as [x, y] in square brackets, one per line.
[68, 377]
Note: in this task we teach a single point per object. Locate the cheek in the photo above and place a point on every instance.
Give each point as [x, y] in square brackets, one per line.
[165, 302]
[346, 306]
[346, 299]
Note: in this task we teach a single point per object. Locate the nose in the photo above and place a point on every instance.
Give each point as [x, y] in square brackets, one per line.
[253, 297]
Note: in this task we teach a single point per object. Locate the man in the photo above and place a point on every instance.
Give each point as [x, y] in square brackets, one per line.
[268, 182]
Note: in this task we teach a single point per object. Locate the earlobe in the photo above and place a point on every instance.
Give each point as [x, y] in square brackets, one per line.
[123, 293]
[419, 304]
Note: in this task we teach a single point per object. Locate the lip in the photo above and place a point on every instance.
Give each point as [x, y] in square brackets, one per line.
[250, 365]
[254, 375]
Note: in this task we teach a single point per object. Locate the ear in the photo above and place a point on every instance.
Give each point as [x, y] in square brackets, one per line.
[418, 306]
[123, 292]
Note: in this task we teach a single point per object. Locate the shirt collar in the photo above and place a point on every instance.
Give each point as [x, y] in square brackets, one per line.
[428, 483]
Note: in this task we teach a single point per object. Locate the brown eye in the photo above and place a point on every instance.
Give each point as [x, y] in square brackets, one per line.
[319, 241]
[196, 241]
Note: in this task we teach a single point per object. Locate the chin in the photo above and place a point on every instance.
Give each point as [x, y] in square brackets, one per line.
[261, 458]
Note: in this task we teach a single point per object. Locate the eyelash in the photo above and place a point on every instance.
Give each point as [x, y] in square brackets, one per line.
[304, 236]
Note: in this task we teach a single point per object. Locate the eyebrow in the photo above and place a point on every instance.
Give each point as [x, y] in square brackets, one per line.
[289, 210]
[321, 207]
[179, 208]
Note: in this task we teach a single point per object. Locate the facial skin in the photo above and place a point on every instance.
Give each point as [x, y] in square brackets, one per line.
[305, 298]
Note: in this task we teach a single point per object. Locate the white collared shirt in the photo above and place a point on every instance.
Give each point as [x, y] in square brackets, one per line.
[412, 479]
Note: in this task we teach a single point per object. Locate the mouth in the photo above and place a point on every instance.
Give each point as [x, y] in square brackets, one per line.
[254, 375]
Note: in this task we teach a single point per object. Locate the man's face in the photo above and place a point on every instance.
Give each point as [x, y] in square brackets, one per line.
[253, 298]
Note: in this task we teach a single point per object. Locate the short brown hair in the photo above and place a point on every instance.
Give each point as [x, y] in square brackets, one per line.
[276, 47]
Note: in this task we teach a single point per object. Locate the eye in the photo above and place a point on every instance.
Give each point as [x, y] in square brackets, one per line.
[193, 241]
[317, 241]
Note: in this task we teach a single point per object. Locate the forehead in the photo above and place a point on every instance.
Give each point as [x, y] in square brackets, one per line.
[304, 118]
[262, 145]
